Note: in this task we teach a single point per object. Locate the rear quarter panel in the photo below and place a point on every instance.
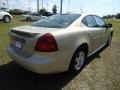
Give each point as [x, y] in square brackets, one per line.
[68, 40]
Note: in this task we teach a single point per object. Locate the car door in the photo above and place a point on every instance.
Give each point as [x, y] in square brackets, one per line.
[93, 32]
[33, 16]
[37, 17]
[102, 28]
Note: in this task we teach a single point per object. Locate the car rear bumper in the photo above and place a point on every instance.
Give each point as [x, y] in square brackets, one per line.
[40, 64]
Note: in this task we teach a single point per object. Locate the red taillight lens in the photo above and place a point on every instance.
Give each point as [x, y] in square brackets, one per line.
[46, 43]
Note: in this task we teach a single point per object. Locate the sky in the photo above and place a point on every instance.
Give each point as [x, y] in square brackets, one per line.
[99, 7]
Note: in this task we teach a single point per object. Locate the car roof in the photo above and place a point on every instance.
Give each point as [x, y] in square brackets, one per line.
[85, 14]
[82, 14]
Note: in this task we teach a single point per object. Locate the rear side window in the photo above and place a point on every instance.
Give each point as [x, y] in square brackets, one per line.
[99, 21]
[89, 21]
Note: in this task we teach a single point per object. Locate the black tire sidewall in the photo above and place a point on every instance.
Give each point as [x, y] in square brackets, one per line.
[28, 19]
[5, 19]
[72, 66]
[108, 44]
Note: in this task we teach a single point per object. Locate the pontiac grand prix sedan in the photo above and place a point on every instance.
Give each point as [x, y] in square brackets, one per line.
[58, 43]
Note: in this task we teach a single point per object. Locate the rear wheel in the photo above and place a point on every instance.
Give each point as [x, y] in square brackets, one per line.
[7, 19]
[77, 61]
[28, 19]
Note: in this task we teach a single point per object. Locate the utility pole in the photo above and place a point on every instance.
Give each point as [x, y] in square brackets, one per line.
[82, 8]
[61, 4]
[68, 6]
[47, 5]
[42, 3]
[38, 8]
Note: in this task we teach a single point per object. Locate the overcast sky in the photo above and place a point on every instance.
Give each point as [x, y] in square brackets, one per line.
[99, 7]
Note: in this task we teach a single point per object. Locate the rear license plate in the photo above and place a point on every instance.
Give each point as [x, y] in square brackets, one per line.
[18, 44]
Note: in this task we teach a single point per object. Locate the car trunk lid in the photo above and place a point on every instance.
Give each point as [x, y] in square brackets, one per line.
[24, 38]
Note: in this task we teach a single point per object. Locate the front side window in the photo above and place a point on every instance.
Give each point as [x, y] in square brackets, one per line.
[57, 21]
[99, 21]
[90, 21]
[37, 14]
[34, 14]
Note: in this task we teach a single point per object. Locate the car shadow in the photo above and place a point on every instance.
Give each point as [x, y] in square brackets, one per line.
[27, 21]
[14, 77]
[1, 21]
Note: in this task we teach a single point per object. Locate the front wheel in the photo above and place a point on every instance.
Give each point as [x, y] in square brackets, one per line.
[77, 61]
[7, 19]
[109, 40]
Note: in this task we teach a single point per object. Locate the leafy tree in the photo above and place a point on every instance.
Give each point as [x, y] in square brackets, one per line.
[16, 11]
[118, 16]
[54, 9]
[43, 11]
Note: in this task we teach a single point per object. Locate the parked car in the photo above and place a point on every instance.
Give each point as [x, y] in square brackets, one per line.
[48, 14]
[59, 43]
[32, 17]
[5, 16]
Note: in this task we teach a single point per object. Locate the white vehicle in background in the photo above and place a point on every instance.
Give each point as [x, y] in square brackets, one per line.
[5, 16]
[33, 17]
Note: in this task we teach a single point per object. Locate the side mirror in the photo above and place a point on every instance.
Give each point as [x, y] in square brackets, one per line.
[109, 25]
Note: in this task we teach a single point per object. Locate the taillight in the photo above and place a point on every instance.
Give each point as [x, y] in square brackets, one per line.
[46, 43]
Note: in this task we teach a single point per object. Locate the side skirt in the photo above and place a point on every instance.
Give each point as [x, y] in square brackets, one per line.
[96, 50]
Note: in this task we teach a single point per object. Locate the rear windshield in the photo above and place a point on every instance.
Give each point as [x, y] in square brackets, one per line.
[57, 21]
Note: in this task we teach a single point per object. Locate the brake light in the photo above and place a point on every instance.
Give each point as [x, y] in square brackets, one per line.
[46, 43]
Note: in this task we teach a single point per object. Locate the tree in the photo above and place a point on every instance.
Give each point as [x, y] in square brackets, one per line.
[118, 16]
[16, 11]
[54, 9]
[43, 11]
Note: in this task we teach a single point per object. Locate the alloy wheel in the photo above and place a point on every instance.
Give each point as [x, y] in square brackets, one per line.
[79, 61]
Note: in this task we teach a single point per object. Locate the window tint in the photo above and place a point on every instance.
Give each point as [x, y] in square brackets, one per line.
[99, 21]
[85, 22]
[90, 21]
[32, 14]
[37, 14]
[57, 21]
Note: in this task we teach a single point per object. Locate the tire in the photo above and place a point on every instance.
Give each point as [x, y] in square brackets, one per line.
[77, 61]
[109, 40]
[28, 19]
[7, 19]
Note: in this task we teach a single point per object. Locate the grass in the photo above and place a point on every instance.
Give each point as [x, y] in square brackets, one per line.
[101, 72]
[4, 39]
